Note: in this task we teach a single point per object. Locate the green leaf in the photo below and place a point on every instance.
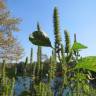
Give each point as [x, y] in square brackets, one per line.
[78, 46]
[86, 88]
[40, 38]
[87, 63]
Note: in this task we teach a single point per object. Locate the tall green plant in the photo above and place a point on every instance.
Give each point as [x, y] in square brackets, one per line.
[75, 39]
[25, 65]
[31, 56]
[39, 56]
[57, 32]
[56, 27]
[39, 52]
[67, 42]
[40, 39]
[3, 76]
[76, 52]
[39, 66]
[3, 72]
[52, 65]
[26, 61]
[6, 84]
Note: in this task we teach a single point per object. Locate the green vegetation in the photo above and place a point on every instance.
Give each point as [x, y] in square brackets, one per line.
[64, 73]
[67, 41]
[67, 65]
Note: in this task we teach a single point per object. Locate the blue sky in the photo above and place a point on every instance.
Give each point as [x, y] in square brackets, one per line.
[77, 16]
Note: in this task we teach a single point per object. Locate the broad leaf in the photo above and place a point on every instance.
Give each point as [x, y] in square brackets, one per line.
[87, 63]
[40, 38]
[78, 46]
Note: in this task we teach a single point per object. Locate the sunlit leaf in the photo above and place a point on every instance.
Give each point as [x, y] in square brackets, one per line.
[78, 46]
[87, 63]
[40, 38]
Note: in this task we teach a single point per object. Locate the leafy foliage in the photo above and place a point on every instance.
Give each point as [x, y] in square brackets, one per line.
[39, 38]
[78, 46]
[2, 5]
[9, 46]
[87, 63]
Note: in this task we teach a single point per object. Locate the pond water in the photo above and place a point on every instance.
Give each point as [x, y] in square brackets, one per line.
[22, 84]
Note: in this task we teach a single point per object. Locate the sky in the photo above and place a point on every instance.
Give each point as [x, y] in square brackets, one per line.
[77, 16]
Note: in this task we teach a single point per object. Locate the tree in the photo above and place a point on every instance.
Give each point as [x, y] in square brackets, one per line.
[16, 51]
[2, 5]
[11, 52]
[7, 23]
[8, 43]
